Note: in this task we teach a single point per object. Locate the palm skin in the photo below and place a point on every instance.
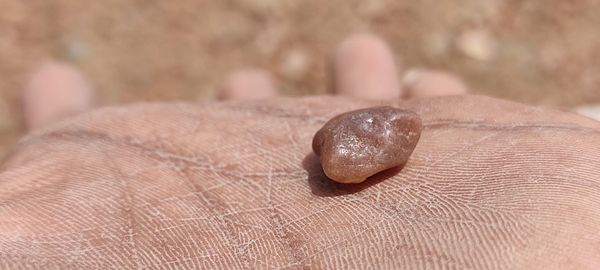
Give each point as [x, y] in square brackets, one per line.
[491, 185]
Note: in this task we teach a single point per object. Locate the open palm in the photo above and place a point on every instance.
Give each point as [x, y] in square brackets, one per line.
[491, 185]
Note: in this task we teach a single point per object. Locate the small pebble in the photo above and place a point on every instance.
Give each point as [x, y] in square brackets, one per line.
[477, 44]
[355, 145]
[296, 64]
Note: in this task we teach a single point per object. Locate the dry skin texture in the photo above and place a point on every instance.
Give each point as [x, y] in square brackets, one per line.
[355, 145]
[491, 185]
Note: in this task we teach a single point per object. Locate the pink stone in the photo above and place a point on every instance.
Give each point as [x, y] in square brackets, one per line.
[355, 145]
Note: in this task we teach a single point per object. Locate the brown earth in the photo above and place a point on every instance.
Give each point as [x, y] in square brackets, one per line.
[540, 52]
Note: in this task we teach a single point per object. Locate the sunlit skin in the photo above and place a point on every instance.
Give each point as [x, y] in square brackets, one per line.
[491, 184]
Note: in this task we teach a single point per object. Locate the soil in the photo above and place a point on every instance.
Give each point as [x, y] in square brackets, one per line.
[538, 52]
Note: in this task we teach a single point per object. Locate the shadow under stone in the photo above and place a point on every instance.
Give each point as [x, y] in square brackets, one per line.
[323, 186]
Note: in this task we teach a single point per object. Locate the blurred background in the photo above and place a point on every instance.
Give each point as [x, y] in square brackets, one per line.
[538, 52]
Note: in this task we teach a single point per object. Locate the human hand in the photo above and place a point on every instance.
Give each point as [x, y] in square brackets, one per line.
[491, 185]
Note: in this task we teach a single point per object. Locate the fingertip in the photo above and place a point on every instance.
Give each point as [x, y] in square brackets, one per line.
[363, 66]
[55, 90]
[247, 84]
[427, 83]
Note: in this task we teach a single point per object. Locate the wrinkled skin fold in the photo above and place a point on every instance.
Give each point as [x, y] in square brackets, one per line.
[491, 185]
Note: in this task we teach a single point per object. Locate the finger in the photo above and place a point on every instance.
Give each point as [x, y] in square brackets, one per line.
[364, 67]
[247, 84]
[427, 83]
[54, 91]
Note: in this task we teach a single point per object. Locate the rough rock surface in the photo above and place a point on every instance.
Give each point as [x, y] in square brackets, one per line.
[355, 145]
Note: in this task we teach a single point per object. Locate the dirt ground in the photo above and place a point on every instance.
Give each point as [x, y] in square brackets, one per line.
[539, 52]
